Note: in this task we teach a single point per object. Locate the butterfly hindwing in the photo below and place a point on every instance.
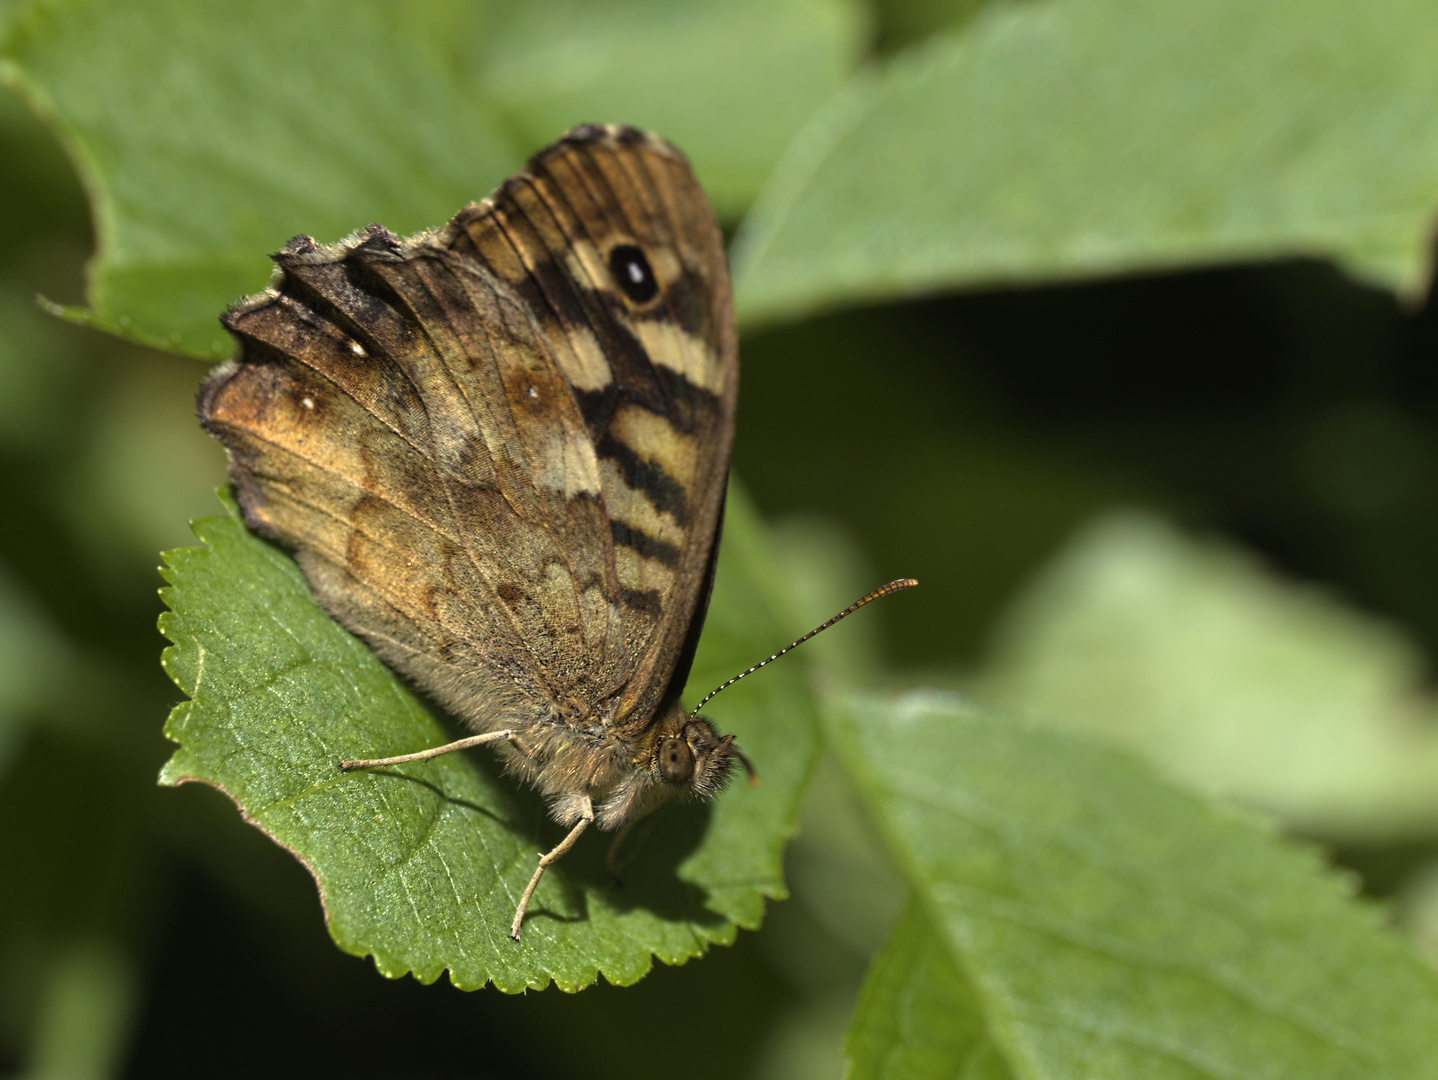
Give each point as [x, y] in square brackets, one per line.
[498, 451]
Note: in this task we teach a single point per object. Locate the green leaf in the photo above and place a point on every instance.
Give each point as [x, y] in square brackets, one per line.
[421, 866]
[1054, 140]
[85, 1011]
[729, 81]
[1109, 925]
[1233, 680]
[916, 1017]
[208, 134]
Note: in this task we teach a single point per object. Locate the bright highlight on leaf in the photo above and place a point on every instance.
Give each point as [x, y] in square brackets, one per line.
[420, 866]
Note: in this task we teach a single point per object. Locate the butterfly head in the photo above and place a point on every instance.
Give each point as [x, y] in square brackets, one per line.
[695, 761]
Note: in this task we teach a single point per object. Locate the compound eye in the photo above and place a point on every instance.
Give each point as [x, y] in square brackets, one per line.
[676, 761]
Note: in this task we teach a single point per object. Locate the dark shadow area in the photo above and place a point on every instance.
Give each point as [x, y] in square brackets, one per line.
[654, 852]
[238, 991]
[1386, 870]
[962, 439]
[215, 1006]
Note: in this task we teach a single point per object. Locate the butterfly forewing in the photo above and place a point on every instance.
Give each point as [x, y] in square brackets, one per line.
[500, 449]
[661, 417]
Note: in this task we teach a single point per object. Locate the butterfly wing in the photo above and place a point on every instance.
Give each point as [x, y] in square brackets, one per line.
[654, 368]
[499, 450]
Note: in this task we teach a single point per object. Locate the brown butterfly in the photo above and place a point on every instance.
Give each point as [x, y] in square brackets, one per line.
[499, 451]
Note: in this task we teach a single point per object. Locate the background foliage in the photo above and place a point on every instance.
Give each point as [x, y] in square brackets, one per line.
[1109, 321]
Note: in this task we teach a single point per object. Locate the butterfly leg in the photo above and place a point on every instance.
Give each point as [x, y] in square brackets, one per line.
[425, 755]
[552, 856]
[611, 860]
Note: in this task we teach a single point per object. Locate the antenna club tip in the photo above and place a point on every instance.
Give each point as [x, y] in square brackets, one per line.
[897, 585]
[882, 591]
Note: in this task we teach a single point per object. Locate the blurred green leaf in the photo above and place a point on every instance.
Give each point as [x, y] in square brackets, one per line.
[67, 909]
[34, 656]
[421, 866]
[728, 82]
[36, 175]
[1110, 925]
[140, 466]
[1416, 909]
[839, 871]
[1233, 680]
[85, 1013]
[916, 1018]
[208, 134]
[38, 376]
[1056, 140]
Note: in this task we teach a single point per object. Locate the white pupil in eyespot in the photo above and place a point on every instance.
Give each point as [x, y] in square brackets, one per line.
[636, 273]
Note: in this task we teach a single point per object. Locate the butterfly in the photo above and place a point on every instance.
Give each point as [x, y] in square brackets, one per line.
[499, 451]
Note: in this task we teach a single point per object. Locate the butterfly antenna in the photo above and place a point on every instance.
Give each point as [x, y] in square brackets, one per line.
[882, 590]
